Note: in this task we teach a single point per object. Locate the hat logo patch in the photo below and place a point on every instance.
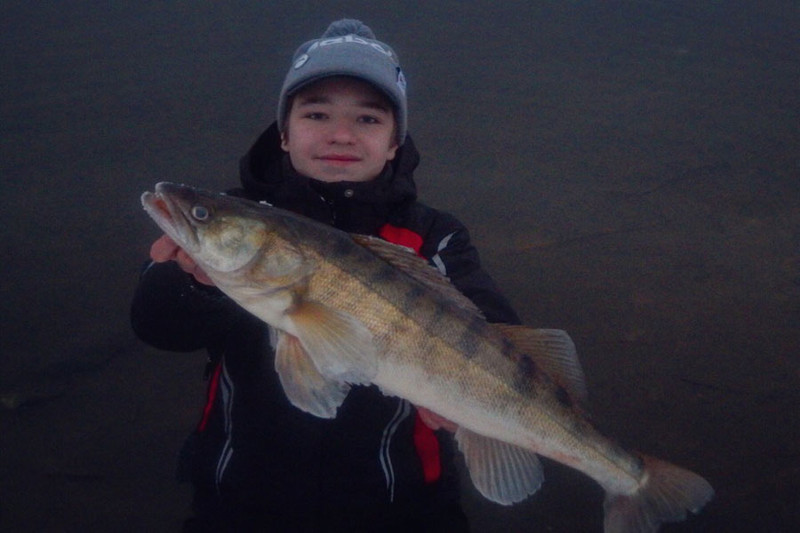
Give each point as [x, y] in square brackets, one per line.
[300, 61]
[349, 39]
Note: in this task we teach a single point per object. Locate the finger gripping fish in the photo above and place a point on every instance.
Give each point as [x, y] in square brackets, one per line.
[347, 309]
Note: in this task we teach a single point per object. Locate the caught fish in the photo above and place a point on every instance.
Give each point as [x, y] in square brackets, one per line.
[348, 309]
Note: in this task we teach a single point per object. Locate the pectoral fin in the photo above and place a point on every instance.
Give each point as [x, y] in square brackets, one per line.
[305, 387]
[502, 472]
[340, 346]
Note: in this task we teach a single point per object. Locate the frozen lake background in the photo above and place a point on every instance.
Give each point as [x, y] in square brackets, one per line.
[630, 172]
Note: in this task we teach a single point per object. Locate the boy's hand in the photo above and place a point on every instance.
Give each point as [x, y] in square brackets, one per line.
[434, 421]
[165, 249]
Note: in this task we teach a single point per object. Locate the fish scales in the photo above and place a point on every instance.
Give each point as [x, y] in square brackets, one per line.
[435, 347]
[439, 349]
[433, 341]
[348, 278]
[482, 382]
[360, 311]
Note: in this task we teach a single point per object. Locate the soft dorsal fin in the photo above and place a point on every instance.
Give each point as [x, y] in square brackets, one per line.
[407, 261]
[554, 352]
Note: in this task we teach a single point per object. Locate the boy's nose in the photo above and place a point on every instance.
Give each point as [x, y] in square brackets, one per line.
[341, 132]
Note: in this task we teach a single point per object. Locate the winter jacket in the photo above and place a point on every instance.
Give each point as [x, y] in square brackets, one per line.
[256, 461]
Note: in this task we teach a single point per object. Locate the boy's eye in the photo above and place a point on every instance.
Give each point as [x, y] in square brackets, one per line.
[368, 119]
[316, 115]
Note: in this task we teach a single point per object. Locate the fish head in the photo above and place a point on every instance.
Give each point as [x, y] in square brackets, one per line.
[223, 235]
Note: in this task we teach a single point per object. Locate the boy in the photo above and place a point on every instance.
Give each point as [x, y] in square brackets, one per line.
[338, 153]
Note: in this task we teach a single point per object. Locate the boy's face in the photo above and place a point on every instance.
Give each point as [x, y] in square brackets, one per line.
[340, 129]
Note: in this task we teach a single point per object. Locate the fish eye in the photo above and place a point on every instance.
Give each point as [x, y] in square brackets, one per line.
[200, 213]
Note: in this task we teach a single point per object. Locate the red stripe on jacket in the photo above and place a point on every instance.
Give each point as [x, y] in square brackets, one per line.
[425, 441]
[213, 385]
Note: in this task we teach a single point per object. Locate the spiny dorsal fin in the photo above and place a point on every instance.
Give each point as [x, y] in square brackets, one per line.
[407, 261]
[554, 352]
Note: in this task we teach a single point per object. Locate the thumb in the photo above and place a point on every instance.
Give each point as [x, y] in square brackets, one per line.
[164, 249]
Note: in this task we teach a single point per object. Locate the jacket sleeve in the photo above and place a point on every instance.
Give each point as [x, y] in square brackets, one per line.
[171, 311]
[453, 253]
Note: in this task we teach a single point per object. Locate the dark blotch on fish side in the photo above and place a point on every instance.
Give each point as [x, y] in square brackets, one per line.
[563, 396]
[414, 293]
[342, 247]
[508, 348]
[526, 373]
[468, 341]
[411, 297]
[526, 366]
[441, 310]
[384, 274]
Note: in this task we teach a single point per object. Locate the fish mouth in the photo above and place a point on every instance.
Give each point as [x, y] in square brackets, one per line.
[164, 207]
[156, 205]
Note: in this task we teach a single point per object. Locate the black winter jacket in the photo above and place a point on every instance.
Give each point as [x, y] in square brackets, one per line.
[255, 460]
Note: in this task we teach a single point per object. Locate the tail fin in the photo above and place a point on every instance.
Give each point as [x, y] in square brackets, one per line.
[666, 493]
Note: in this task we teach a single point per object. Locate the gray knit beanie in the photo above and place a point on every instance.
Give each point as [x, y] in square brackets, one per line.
[347, 48]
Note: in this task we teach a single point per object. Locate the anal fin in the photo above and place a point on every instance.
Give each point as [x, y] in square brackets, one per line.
[502, 472]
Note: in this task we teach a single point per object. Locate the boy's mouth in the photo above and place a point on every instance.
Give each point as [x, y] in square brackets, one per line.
[339, 158]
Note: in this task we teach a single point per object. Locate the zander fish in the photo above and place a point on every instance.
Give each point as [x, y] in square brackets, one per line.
[348, 309]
